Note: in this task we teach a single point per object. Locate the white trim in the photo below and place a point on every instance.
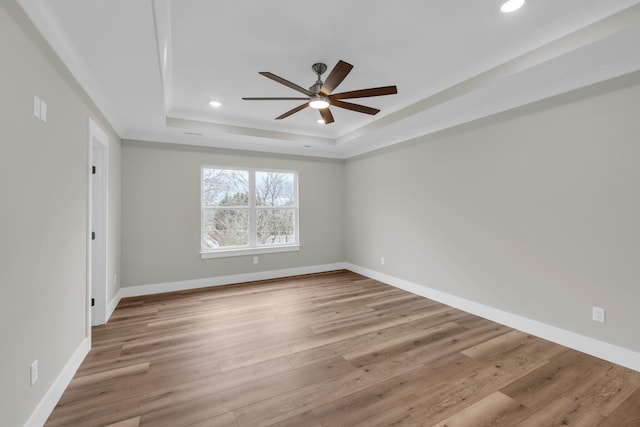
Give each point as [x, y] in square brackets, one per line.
[253, 213]
[612, 353]
[252, 247]
[98, 221]
[41, 14]
[96, 131]
[597, 348]
[249, 251]
[162, 25]
[112, 305]
[89, 219]
[53, 395]
[131, 291]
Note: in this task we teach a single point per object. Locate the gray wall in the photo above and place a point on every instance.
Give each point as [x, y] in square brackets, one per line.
[43, 188]
[161, 213]
[534, 212]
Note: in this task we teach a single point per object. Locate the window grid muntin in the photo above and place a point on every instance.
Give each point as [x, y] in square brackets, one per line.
[253, 211]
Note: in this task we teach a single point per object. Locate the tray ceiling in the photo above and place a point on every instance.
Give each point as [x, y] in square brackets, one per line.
[153, 66]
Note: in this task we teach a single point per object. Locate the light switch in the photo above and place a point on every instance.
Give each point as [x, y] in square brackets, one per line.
[36, 106]
[43, 111]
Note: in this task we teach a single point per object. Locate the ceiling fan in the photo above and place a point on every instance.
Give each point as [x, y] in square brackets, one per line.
[319, 94]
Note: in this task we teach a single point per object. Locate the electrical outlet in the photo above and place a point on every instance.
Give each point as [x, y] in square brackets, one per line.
[34, 372]
[255, 260]
[599, 314]
[381, 260]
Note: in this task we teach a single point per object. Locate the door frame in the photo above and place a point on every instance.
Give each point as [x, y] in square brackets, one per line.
[97, 221]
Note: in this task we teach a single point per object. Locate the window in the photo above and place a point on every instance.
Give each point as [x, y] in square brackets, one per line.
[248, 211]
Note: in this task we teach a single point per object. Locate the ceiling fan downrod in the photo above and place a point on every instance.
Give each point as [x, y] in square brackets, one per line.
[319, 68]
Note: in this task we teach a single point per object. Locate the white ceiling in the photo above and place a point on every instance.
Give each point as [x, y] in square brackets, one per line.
[152, 66]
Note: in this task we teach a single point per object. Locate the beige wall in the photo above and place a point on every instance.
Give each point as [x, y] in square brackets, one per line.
[161, 213]
[114, 217]
[534, 212]
[43, 188]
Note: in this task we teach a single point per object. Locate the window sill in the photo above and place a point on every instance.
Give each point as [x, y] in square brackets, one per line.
[248, 251]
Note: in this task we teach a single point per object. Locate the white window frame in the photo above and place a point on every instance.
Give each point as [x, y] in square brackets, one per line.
[252, 248]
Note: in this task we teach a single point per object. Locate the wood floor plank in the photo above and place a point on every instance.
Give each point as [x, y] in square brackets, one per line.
[552, 414]
[286, 405]
[131, 422]
[401, 344]
[306, 419]
[231, 399]
[459, 392]
[283, 348]
[498, 344]
[224, 420]
[563, 373]
[90, 379]
[625, 415]
[331, 350]
[367, 404]
[481, 414]
[150, 395]
[366, 343]
[400, 397]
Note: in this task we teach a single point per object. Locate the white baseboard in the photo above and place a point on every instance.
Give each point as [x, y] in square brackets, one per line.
[113, 304]
[600, 349]
[133, 291]
[53, 395]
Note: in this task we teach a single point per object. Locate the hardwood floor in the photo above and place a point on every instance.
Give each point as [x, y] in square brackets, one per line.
[332, 349]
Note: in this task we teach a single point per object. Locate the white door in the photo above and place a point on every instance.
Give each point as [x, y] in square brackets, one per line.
[98, 233]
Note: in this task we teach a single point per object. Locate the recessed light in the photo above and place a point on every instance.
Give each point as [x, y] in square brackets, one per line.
[511, 6]
[215, 104]
[320, 121]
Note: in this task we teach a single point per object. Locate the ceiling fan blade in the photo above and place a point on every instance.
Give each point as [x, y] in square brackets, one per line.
[275, 99]
[293, 111]
[355, 107]
[285, 82]
[326, 115]
[364, 93]
[335, 77]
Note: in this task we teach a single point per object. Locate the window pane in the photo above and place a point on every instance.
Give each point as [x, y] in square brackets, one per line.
[276, 226]
[225, 187]
[225, 227]
[275, 189]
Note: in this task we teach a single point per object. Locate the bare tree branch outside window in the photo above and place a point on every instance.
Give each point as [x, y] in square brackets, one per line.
[230, 205]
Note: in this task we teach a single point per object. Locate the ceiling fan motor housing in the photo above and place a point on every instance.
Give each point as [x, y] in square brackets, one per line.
[319, 68]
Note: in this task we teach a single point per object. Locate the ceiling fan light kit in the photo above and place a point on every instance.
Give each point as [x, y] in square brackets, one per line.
[319, 96]
[319, 102]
